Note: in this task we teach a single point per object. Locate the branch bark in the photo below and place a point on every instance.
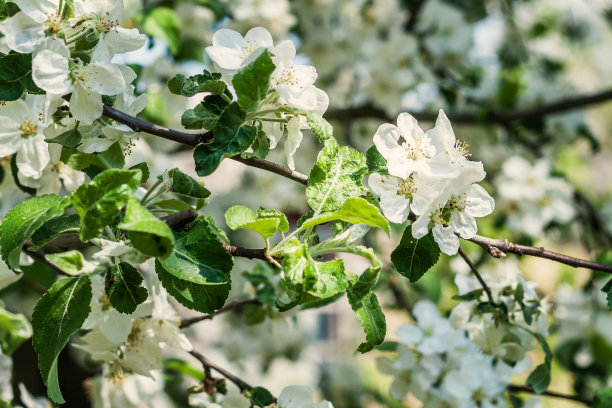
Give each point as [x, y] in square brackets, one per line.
[477, 274]
[522, 388]
[227, 308]
[208, 365]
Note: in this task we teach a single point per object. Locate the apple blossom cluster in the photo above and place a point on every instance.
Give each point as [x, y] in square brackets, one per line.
[440, 366]
[431, 176]
[293, 84]
[531, 198]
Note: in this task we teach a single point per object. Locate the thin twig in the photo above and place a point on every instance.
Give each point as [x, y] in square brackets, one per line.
[522, 388]
[227, 308]
[477, 274]
[208, 365]
[498, 248]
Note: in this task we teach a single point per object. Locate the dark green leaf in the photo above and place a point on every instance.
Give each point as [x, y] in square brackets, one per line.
[371, 317]
[260, 397]
[375, 161]
[539, 379]
[261, 145]
[16, 77]
[206, 114]
[124, 289]
[22, 221]
[69, 224]
[58, 314]
[181, 183]
[70, 138]
[413, 257]
[253, 81]
[603, 398]
[190, 86]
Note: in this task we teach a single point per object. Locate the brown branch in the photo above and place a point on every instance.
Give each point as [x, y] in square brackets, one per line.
[193, 139]
[498, 248]
[227, 308]
[477, 274]
[499, 117]
[179, 220]
[208, 365]
[522, 388]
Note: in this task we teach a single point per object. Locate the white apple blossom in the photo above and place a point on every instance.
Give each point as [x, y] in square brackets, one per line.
[230, 51]
[25, 32]
[127, 390]
[395, 195]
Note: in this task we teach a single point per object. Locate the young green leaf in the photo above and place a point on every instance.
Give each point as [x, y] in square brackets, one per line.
[413, 257]
[16, 77]
[206, 114]
[100, 201]
[232, 136]
[124, 289]
[58, 314]
[253, 81]
[261, 145]
[72, 262]
[335, 177]
[190, 86]
[260, 397]
[326, 279]
[355, 210]
[69, 138]
[319, 126]
[265, 222]
[603, 398]
[163, 23]
[68, 224]
[22, 221]
[181, 183]
[372, 319]
[148, 234]
[197, 272]
[375, 161]
[295, 261]
[539, 379]
[14, 330]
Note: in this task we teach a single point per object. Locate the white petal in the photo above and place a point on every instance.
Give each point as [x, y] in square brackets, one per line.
[50, 72]
[294, 138]
[85, 106]
[395, 207]
[295, 396]
[37, 9]
[381, 184]
[10, 137]
[225, 58]
[284, 52]
[22, 33]
[410, 334]
[446, 239]
[409, 126]
[33, 156]
[122, 39]
[106, 78]
[464, 224]
[260, 36]
[385, 139]
[480, 203]
[420, 227]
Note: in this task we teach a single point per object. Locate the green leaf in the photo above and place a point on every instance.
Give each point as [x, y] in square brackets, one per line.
[375, 162]
[100, 201]
[58, 314]
[69, 224]
[603, 398]
[319, 126]
[22, 221]
[260, 397]
[372, 319]
[413, 257]
[70, 138]
[16, 77]
[144, 167]
[172, 204]
[72, 262]
[206, 114]
[232, 136]
[14, 330]
[326, 279]
[183, 367]
[190, 86]
[253, 81]
[539, 379]
[181, 183]
[163, 23]
[335, 177]
[147, 233]
[295, 260]
[123, 288]
[7, 9]
[355, 210]
[197, 272]
[265, 222]
[261, 146]
[608, 290]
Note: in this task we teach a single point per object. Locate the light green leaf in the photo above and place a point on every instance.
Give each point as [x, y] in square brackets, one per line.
[163, 23]
[58, 314]
[253, 81]
[190, 86]
[72, 262]
[148, 234]
[355, 210]
[100, 201]
[16, 77]
[232, 136]
[181, 183]
[22, 221]
[539, 379]
[413, 257]
[265, 222]
[172, 204]
[69, 224]
[295, 261]
[123, 288]
[197, 272]
[14, 330]
[326, 279]
[319, 126]
[260, 147]
[335, 177]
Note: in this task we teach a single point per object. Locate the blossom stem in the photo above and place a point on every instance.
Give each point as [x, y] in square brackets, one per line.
[522, 388]
[477, 274]
[208, 365]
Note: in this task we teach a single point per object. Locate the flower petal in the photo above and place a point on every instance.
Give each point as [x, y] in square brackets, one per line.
[446, 239]
[385, 139]
[50, 72]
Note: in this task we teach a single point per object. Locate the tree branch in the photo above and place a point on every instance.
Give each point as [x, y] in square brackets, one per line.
[522, 388]
[227, 308]
[193, 139]
[208, 365]
[477, 274]
[498, 248]
[499, 117]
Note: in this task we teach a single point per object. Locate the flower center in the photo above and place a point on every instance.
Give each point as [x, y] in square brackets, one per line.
[457, 202]
[80, 73]
[462, 149]
[406, 187]
[249, 47]
[27, 128]
[288, 76]
[54, 23]
[105, 24]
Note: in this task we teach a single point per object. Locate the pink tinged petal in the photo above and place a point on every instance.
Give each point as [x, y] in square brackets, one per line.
[464, 224]
[385, 139]
[410, 334]
[122, 39]
[420, 227]
[85, 106]
[50, 72]
[480, 203]
[22, 33]
[33, 156]
[10, 137]
[261, 36]
[446, 239]
[105, 78]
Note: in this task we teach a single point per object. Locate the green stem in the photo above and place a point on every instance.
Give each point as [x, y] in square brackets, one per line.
[148, 195]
